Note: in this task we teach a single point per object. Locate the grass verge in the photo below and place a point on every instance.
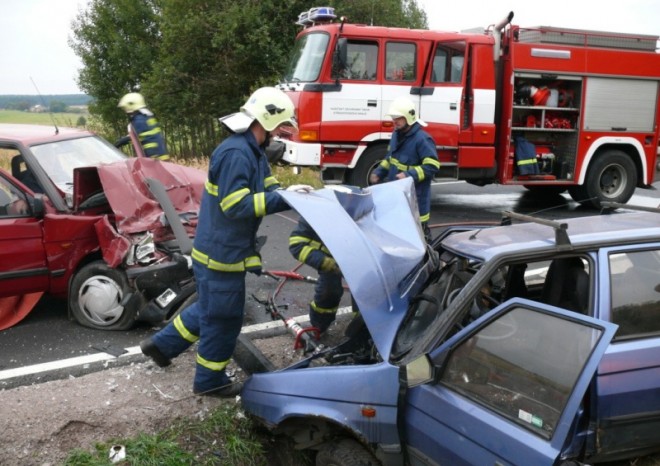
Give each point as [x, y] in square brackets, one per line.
[225, 438]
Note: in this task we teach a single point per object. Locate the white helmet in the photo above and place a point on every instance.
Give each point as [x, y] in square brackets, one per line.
[132, 102]
[271, 107]
[402, 107]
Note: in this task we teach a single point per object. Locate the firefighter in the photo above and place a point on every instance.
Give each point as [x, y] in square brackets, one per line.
[411, 152]
[306, 246]
[240, 191]
[145, 125]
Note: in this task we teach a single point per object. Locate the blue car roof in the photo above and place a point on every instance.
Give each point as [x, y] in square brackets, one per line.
[597, 231]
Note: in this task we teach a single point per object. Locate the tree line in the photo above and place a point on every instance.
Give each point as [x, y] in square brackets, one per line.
[53, 103]
[197, 60]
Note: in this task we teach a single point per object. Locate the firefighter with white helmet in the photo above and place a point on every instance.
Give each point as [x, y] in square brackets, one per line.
[145, 126]
[411, 152]
[240, 191]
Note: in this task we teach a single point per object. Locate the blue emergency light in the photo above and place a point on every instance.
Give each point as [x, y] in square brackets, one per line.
[316, 15]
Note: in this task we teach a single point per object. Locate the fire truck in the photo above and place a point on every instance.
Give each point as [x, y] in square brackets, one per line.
[586, 101]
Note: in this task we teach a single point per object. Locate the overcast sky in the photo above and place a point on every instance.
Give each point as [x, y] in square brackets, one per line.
[34, 33]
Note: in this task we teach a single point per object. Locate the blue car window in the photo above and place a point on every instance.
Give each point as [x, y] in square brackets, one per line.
[523, 366]
[635, 293]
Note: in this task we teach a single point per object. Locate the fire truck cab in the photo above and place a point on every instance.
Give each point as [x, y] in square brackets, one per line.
[586, 101]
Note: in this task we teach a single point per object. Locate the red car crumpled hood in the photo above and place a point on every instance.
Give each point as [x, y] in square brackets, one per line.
[135, 208]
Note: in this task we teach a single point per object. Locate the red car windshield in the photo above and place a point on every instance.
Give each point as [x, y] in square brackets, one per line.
[60, 158]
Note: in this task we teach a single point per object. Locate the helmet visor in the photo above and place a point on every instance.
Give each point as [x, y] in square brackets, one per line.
[238, 122]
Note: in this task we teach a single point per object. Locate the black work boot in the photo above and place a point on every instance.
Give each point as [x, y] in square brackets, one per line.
[150, 349]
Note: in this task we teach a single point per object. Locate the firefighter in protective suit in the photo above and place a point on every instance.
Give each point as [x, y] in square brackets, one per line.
[240, 191]
[145, 125]
[411, 152]
[306, 246]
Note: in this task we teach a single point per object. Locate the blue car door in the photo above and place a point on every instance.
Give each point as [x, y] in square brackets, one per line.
[507, 388]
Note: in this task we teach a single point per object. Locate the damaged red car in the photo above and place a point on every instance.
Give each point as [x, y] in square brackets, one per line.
[80, 220]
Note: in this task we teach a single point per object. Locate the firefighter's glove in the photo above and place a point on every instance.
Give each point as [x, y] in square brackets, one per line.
[300, 188]
[329, 265]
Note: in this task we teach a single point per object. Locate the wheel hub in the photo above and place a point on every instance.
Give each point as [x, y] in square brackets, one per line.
[100, 299]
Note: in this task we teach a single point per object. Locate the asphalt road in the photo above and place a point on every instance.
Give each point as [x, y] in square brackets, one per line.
[47, 334]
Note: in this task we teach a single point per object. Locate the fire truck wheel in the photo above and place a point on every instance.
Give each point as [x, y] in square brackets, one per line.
[371, 157]
[612, 176]
[97, 295]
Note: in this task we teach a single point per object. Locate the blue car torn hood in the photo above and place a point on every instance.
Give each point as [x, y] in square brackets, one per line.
[374, 234]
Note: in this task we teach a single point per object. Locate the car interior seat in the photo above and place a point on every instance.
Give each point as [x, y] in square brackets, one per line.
[567, 285]
[20, 171]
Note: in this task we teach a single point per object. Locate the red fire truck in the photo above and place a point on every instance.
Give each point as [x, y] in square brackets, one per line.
[586, 100]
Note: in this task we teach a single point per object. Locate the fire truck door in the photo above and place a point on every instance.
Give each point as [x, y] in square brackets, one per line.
[354, 111]
[441, 107]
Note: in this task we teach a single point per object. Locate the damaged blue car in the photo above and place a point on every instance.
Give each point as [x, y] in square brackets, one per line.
[536, 343]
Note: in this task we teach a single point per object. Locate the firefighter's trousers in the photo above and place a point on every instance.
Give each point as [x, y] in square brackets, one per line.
[327, 295]
[215, 321]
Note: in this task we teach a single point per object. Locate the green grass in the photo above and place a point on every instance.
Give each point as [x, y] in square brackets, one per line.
[225, 438]
[61, 119]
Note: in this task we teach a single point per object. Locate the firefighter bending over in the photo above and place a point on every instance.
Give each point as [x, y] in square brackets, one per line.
[145, 125]
[306, 246]
[411, 152]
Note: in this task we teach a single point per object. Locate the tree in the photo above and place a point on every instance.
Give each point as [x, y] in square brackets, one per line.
[118, 43]
[197, 60]
[57, 106]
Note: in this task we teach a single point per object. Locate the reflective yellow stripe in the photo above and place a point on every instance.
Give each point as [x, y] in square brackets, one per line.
[431, 161]
[248, 262]
[398, 165]
[150, 145]
[211, 188]
[420, 173]
[323, 310]
[163, 157]
[384, 163]
[526, 162]
[234, 198]
[222, 267]
[312, 245]
[259, 200]
[151, 132]
[297, 239]
[214, 366]
[252, 261]
[304, 253]
[425, 218]
[270, 181]
[183, 331]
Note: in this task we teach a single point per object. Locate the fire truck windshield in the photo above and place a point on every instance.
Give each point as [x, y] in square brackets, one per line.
[307, 57]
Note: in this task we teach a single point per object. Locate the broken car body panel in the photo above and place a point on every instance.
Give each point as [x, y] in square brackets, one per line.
[376, 250]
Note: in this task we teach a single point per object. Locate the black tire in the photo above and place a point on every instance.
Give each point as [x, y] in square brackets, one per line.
[612, 176]
[372, 156]
[97, 292]
[345, 452]
[579, 194]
